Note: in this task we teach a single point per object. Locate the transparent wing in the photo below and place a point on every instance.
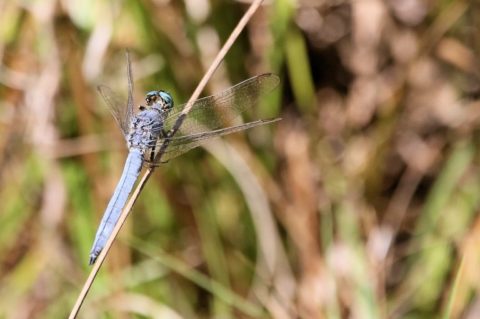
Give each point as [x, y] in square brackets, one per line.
[129, 111]
[118, 108]
[217, 111]
[121, 111]
[182, 144]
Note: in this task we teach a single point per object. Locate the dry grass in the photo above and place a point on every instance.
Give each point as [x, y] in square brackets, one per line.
[361, 203]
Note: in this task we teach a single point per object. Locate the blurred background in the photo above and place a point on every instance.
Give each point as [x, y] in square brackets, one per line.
[361, 203]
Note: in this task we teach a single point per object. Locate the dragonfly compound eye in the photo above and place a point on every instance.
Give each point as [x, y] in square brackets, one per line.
[167, 98]
[151, 97]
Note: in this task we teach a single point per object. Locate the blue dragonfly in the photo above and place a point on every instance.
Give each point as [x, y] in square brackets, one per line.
[146, 131]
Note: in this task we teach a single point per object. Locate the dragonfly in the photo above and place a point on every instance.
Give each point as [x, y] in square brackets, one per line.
[148, 128]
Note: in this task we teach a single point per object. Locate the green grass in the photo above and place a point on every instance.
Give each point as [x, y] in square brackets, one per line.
[362, 202]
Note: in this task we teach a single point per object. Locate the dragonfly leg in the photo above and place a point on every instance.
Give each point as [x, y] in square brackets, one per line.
[151, 160]
[152, 154]
[166, 134]
[150, 163]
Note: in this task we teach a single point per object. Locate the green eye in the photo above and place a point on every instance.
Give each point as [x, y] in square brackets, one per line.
[167, 98]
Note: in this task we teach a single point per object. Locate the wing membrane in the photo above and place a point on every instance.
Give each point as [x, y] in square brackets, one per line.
[182, 144]
[121, 111]
[216, 111]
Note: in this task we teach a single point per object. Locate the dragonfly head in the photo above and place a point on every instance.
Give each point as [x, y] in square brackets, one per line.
[160, 100]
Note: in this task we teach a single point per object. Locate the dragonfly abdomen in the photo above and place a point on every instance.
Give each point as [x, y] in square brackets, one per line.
[133, 166]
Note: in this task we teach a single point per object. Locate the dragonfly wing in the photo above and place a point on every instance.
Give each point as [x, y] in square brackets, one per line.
[121, 111]
[216, 111]
[182, 144]
[129, 111]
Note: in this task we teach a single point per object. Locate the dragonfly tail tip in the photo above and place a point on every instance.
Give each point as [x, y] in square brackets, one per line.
[92, 260]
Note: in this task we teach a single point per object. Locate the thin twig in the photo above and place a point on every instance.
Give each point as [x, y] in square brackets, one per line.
[126, 210]
[218, 59]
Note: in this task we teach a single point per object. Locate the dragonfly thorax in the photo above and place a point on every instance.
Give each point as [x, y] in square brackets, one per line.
[145, 129]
